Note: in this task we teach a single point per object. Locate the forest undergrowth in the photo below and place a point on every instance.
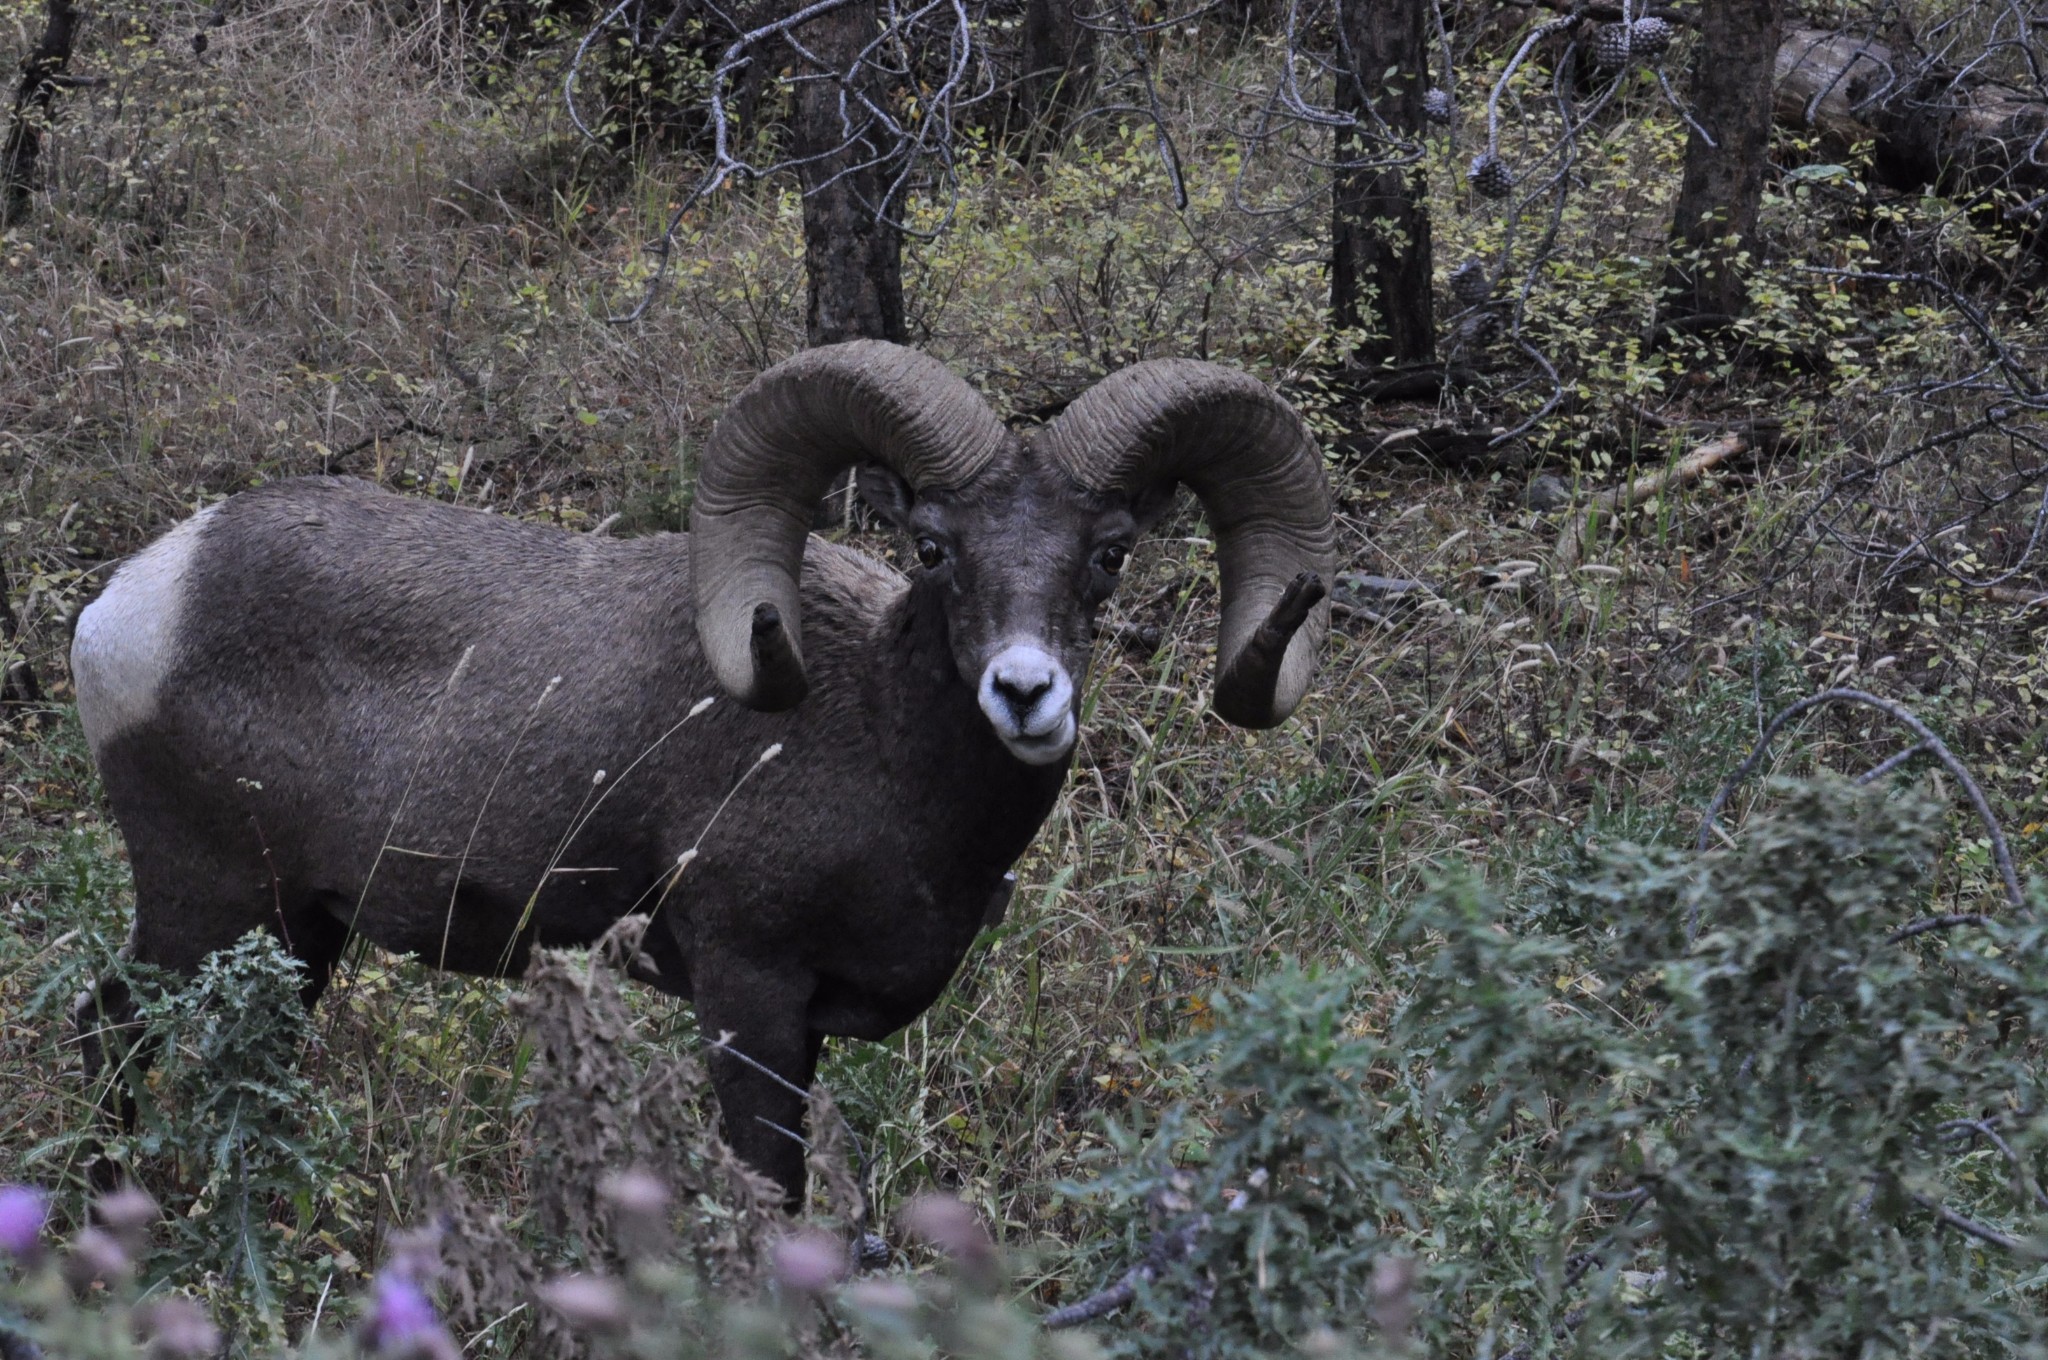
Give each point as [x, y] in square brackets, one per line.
[343, 242]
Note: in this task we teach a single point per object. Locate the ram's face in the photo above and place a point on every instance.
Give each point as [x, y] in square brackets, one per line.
[1022, 562]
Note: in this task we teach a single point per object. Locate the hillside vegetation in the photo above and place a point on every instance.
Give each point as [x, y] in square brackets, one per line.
[1424, 999]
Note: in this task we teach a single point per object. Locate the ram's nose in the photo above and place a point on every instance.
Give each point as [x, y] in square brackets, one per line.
[1021, 677]
[1029, 700]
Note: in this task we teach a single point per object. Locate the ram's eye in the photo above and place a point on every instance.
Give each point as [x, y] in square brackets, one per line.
[1111, 559]
[929, 553]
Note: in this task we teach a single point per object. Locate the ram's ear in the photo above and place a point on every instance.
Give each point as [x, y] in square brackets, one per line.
[1149, 506]
[885, 493]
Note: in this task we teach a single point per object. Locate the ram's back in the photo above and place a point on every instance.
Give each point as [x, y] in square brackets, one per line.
[391, 691]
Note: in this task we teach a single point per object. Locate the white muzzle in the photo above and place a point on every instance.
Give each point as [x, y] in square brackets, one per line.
[1030, 702]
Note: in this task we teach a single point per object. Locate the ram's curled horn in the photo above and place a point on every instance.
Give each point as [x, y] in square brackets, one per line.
[1256, 468]
[770, 458]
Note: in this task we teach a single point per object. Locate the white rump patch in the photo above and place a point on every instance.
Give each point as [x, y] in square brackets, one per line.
[126, 639]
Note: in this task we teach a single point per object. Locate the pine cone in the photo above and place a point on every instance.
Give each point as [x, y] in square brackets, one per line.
[1437, 106]
[1649, 39]
[1611, 47]
[1490, 176]
[1469, 283]
[1478, 330]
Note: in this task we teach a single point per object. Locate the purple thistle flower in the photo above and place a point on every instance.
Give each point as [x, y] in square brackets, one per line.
[176, 1328]
[809, 1262]
[23, 1212]
[401, 1316]
[589, 1303]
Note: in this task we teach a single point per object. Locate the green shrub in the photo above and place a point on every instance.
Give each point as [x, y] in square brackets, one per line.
[1757, 1102]
[1270, 1221]
[1787, 1131]
[231, 1111]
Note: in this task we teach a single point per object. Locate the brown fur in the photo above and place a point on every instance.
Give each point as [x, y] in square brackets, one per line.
[316, 766]
[326, 710]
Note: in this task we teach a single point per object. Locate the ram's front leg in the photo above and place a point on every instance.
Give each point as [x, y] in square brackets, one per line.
[764, 1054]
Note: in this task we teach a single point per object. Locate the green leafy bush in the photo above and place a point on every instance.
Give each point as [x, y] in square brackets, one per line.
[1739, 1104]
[1269, 1222]
[1754, 1102]
[230, 1108]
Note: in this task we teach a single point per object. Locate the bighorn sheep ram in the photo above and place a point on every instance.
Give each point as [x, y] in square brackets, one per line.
[323, 709]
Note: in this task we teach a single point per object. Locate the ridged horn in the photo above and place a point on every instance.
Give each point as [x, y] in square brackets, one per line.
[771, 457]
[1258, 472]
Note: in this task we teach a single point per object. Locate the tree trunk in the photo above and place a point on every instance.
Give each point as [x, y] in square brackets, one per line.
[1380, 254]
[17, 677]
[1256, 16]
[853, 254]
[1056, 71]
[42, 72]
[1715, 219]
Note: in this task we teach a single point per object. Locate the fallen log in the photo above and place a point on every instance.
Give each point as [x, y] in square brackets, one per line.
[2026, 599]
[1928, 125]
[1459, 449]
[1636, 491]
[1767, 435]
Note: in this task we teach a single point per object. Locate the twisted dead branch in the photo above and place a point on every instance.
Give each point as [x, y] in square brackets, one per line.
[1927, 741]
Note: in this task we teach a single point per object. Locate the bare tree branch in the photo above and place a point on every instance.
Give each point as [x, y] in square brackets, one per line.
[2001, 852]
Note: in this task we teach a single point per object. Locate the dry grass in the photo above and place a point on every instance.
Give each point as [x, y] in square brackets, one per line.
[323, 248]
